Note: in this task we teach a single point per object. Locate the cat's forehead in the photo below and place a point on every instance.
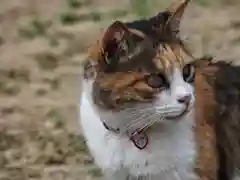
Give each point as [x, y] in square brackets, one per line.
[164, 58]
[168, 59]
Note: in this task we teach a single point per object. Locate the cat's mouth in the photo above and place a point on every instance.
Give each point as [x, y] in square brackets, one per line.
[181, 114]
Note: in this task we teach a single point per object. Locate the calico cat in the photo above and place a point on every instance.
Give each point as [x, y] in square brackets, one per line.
[138, 102]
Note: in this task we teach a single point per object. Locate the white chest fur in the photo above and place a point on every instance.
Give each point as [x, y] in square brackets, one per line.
[170, 154]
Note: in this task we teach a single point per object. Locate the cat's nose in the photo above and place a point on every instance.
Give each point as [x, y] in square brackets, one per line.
[184, 99]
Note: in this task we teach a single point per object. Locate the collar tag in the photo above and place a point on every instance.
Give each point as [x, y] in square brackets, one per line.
[140, 140]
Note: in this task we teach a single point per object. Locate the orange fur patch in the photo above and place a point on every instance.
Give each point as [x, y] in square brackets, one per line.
[207, 161]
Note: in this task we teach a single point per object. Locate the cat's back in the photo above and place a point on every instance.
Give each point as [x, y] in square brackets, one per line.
[220, 100]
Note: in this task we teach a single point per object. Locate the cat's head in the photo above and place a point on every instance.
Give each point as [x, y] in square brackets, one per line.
[140, 72]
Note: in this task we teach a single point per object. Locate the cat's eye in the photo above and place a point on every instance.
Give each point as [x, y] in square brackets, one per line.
[188, 73]
[156, 80]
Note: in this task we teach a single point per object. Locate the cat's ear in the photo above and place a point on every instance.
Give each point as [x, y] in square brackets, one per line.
[116, 42]
[176, 11]
[111, 48]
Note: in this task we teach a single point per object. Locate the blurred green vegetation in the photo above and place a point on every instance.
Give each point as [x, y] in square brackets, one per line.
[72, 14]
[141, 7]
[34, 28]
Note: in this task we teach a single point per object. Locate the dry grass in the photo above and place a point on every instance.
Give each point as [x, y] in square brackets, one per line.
[42, 44]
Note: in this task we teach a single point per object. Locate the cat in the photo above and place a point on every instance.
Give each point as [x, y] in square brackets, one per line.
[138, 101]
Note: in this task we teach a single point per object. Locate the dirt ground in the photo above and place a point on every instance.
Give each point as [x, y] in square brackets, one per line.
[42, 44]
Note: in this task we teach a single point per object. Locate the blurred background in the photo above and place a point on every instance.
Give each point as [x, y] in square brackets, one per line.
[42, 44]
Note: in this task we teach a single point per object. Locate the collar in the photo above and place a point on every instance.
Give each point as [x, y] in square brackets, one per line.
[138, 138]
[110, 128]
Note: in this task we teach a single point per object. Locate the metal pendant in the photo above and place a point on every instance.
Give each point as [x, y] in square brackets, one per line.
[140, 140]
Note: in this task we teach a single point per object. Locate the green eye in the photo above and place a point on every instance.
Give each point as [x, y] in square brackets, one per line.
[188, 73]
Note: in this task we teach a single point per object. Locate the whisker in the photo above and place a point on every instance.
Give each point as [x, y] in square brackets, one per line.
[141, 121]
[144, 110]
[134, 123]
[149, 108]
[148, 125]
[149, 115]
[142, 118]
